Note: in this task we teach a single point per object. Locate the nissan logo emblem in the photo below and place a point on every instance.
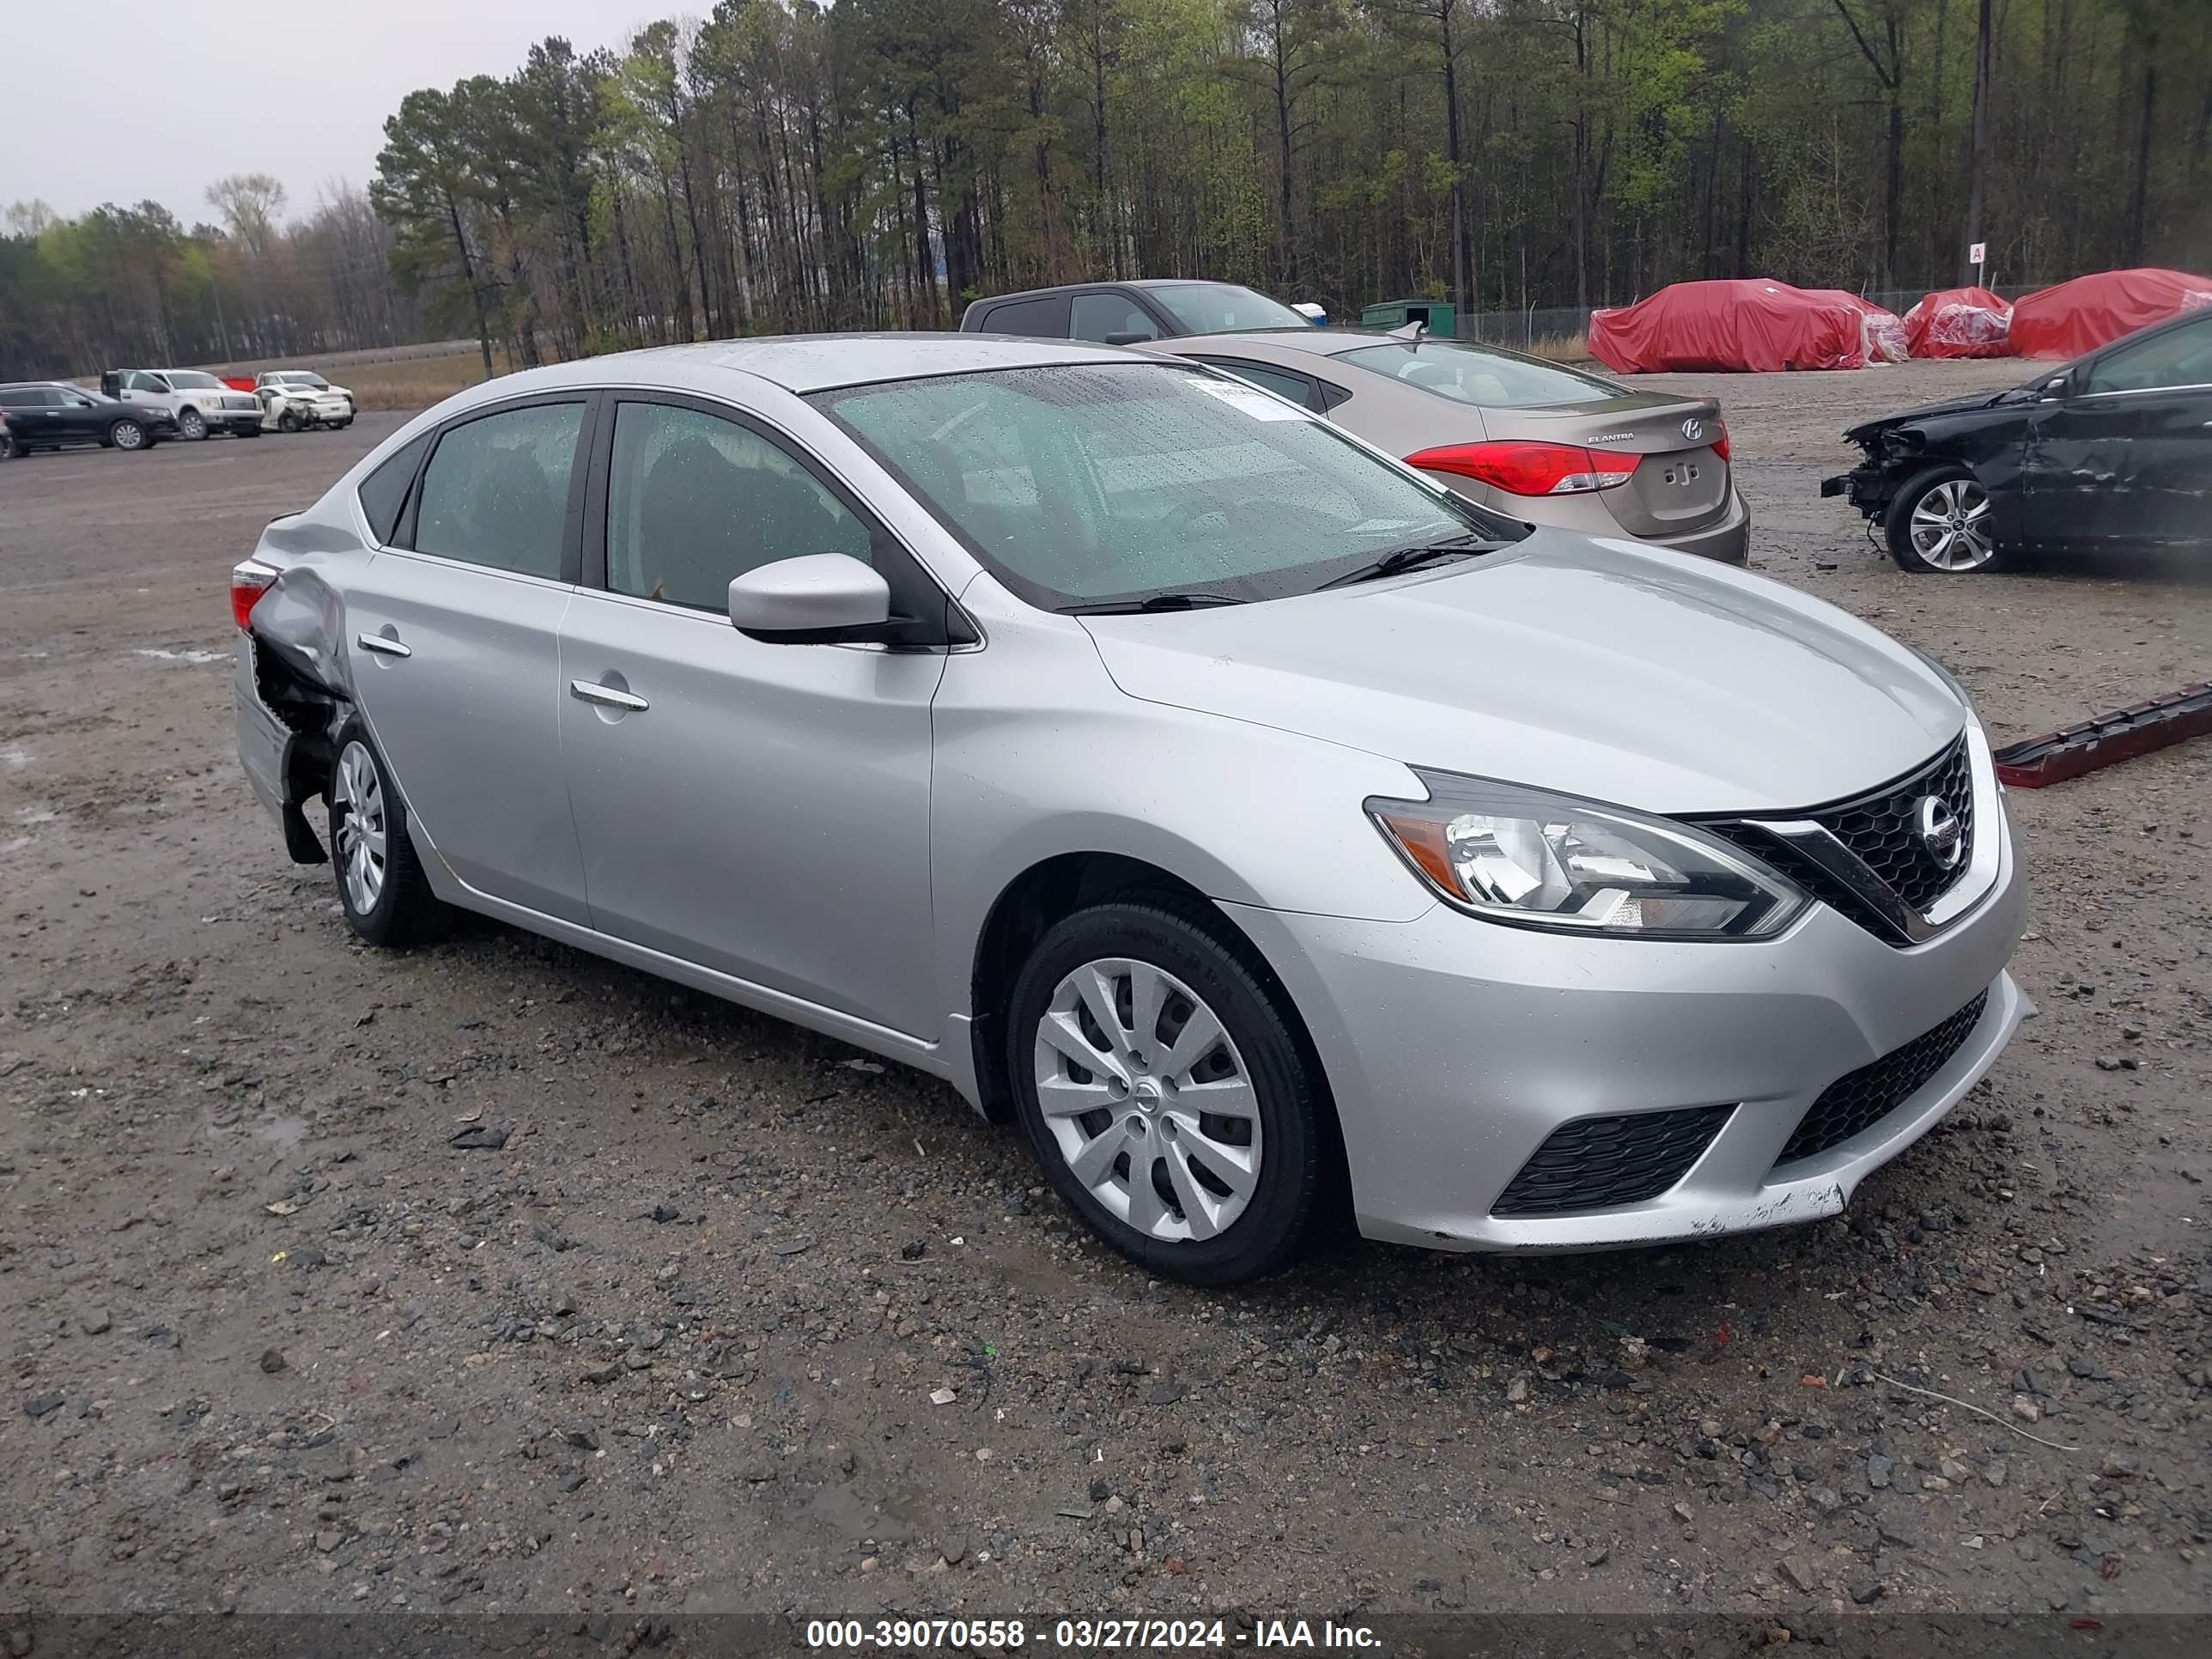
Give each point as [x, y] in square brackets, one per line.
[1693, 429]
[1939, 832]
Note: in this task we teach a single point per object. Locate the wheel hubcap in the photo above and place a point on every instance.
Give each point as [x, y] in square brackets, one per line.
[360, 831]
[1950, 525]
[126, 437]
[1148, 1100]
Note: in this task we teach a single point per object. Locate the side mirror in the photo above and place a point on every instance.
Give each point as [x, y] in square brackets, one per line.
[2056, 387]
[820, 599]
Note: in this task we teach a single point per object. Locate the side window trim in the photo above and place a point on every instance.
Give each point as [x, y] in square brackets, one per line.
[885, 546]
[572, 522]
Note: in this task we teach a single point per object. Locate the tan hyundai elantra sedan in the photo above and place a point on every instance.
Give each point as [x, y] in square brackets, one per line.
[1540, 440]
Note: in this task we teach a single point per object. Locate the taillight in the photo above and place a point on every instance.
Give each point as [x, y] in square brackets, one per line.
[1720, 440]
[1529, 468]
[249, 580]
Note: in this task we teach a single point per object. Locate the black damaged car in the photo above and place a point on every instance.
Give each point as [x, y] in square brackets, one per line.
[2112, 450]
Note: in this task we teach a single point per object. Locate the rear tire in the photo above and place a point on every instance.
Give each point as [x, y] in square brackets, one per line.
[1938, 525]
[1198, 1156]
[381, 886]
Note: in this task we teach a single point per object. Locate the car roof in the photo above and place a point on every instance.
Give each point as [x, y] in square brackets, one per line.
[801, 363]
[1145, 283]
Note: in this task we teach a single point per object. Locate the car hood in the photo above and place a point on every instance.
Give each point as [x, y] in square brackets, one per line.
[1980, 404]
[1593, 667]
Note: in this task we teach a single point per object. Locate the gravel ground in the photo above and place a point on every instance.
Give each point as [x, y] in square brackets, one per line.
[275, 1344]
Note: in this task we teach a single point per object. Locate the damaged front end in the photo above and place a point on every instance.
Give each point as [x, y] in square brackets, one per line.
[1893, 455]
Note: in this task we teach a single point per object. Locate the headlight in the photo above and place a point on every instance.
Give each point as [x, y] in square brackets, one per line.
[1540, 860]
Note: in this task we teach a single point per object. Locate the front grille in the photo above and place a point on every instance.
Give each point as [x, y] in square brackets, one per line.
[1881, 827]
[1595, 1163]
[1779, 853]
[1856, 1102]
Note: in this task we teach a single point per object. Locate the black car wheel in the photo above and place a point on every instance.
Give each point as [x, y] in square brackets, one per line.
[126, 434]
[1163, 1087]
[289, 421]
[1939, 523]
[386, 898]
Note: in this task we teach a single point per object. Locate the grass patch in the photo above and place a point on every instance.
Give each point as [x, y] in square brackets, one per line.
[415, 383]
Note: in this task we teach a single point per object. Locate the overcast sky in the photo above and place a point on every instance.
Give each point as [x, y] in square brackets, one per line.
[116, 101]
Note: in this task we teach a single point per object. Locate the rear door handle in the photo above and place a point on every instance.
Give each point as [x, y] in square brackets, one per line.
[607, 697]
[383, 644]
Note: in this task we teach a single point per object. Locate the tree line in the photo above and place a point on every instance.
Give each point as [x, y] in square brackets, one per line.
[781, 165]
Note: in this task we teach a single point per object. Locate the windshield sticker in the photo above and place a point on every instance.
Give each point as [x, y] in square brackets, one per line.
[1260, 405]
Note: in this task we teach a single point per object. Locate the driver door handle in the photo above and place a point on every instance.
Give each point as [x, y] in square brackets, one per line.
[383, 644]
[607, 697]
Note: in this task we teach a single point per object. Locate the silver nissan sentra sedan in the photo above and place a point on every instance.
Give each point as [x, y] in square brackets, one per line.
[1165, 769]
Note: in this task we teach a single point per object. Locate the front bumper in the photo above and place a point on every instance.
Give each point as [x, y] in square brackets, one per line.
[233, 420]
[1454, 1047]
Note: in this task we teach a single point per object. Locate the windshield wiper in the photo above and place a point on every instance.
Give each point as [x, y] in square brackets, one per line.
[1411, 557]
[1151, 602]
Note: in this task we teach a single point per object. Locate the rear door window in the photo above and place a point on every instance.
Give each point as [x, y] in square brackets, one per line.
[1097, 316]
[1045, 318]
[496, 491]
[1280, 381]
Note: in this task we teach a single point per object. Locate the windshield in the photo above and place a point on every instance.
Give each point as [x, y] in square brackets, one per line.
[1222, 307]
[1088, 483]
[189, 380]
[1483, 374]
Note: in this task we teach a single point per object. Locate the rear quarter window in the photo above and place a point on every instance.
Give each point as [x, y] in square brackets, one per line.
[1042, 319]
[383, 494]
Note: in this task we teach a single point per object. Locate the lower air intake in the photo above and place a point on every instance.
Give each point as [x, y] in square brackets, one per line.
[1596, 1163]
[1857, 1101]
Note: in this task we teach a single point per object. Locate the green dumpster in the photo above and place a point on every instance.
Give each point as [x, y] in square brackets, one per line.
[1438, 314]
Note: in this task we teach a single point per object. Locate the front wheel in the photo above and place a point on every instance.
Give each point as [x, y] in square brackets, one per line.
[191, 424]
[1164, 1091]
[381, 886]
[126, 434]
[289, 421]
[1940, 524]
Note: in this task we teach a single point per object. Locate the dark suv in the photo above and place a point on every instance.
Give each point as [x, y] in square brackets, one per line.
[1122, 313]
[52, 415]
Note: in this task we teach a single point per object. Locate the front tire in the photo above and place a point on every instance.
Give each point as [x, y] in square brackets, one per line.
[191, 425]
[385, 895]
[289, 421]
[1939, 523]
[126, 434]
[1164, 1092]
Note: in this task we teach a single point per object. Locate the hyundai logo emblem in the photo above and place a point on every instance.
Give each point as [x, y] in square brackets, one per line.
[1693, 429]
[1939, 832]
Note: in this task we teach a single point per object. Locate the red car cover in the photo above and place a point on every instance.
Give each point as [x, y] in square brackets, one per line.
[1747, 324]
[2081, 315]
[1960, 322]
[1881, 330]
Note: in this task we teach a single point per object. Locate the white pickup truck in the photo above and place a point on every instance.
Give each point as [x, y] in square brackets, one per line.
[198, 401]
